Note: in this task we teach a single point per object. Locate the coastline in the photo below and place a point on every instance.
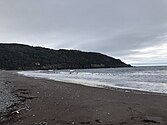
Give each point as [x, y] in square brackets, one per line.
[51, 102]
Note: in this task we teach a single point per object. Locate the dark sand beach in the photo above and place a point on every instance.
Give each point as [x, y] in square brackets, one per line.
[47, 102]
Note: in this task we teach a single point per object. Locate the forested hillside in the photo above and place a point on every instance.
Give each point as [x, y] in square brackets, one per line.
[24, 57]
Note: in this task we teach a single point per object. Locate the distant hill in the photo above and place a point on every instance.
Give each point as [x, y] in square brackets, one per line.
[24, 57]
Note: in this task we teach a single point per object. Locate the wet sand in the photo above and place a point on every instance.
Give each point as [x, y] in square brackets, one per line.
[47, 102]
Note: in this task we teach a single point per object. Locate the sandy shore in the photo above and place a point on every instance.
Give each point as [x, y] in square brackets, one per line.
[47, 102]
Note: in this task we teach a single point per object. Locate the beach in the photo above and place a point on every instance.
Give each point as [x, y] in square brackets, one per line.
[48, 102]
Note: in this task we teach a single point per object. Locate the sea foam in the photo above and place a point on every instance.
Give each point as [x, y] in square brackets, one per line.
[149, 79]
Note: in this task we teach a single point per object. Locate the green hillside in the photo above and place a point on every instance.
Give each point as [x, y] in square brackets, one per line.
[24, 57]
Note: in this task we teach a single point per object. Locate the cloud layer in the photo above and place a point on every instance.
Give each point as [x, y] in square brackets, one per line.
[123, 29]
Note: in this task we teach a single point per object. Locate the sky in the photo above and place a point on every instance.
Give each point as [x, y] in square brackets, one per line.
[133, 30]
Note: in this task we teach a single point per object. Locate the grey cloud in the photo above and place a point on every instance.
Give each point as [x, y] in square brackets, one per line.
[114, 27]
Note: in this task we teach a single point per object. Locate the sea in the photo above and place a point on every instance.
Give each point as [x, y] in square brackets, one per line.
[144, 79]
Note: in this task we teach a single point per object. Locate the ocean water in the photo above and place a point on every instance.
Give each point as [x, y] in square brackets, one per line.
[149, 79]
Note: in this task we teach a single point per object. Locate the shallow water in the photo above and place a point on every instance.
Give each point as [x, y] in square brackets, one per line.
[150, 79]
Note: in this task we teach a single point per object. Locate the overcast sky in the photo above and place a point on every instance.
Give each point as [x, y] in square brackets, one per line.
[132, 30]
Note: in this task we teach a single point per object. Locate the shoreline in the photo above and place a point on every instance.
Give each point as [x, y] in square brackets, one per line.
[120, 89]
[118, 79]
[52, 102]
